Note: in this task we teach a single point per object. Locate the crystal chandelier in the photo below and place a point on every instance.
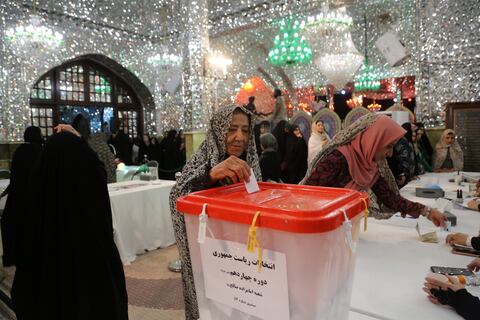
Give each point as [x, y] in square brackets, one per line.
[368, 79]
[338, 58]
[34, 34]
[164, 59]
[288, 46]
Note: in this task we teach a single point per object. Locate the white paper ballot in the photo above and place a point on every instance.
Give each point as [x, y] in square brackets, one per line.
[252, 186]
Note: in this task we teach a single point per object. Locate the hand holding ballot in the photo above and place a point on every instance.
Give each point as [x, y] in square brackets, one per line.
[232, 168]
[436, 217]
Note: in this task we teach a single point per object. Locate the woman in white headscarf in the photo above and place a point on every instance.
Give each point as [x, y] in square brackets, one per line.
[447, 156]
[318, 140]
[226, 156]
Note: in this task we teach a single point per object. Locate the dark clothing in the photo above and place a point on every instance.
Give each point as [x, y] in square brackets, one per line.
[333, 171]
[476, 243]
[143, 151]
[68, 266]
[155, 152]
[123, 147]
[22, 163]
[296, 159]
[251, 107]
[427, 148]
[465, 304]
[270, 165]
[403, 161]
[448, 163]
[172, 156]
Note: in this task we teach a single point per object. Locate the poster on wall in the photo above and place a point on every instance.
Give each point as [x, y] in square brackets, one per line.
[232, 278]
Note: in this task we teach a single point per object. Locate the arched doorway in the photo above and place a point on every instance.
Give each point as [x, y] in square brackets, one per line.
[94, 86]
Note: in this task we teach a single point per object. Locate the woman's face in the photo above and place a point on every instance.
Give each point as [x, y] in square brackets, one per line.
[237, 134]
[419, 134]
[385, 152]
[145, 139]
[449, 139]
[414, 136]
[153, 141]
[297, 133]
[318, 127]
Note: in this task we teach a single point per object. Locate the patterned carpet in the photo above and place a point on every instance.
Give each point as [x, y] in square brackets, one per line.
[153, 291]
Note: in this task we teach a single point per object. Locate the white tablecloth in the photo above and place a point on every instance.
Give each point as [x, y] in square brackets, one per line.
[3, 185]
[141, 216]
[392, 263]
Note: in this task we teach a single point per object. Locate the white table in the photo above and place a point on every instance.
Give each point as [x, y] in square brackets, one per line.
[392, 263]
[3, 185]
[141, 216]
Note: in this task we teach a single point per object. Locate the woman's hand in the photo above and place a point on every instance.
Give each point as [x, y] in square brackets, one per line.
[233, 167]
[437, 218]
[474, 204]
[457, 238]
[474, 265]
[451, 283]
[66, 128]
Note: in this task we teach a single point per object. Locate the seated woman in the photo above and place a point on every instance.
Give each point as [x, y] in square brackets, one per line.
[226, 155]
[424, 143]
[402, 163]
[356, 159]
[420, 154]
[68, 266]
[449, 291]
[317, 141]
[269, 160]
[447, 156]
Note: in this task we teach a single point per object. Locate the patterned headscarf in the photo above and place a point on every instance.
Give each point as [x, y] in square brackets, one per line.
[345, 136]
[195, 177]
[441, 150]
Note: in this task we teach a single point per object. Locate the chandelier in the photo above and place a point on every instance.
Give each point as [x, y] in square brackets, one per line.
[34, 34]
[338, 58]
[328, 20]
[164, 59]
[374, 107]
[368, 79]
[288, 46]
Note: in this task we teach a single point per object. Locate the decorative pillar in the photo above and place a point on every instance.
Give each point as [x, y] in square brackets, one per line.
[196, 89]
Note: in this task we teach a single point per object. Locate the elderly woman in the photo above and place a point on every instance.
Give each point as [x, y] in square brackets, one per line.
[356, 159]
[447, 156]
[318, 140]
[226, 155]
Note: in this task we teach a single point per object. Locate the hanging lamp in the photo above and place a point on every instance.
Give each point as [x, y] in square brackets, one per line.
[34, 34]
[289, 47]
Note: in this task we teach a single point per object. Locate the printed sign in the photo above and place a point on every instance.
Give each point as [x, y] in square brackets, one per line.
[232, 278]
